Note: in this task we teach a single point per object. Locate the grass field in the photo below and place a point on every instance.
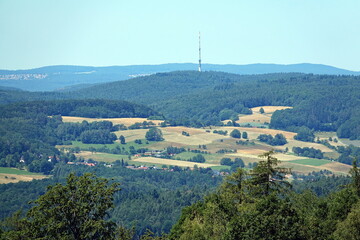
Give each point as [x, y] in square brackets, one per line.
[311, 162]
[16, 171]
[102, 157]
[12, 175]
[346, 141]
[257, 117]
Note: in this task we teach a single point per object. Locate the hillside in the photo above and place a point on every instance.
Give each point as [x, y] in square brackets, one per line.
[320, 102]
[62, 77]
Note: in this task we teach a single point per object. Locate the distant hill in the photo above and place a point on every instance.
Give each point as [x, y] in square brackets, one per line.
[62, 77]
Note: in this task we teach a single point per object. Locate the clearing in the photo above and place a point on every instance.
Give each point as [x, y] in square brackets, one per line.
[126, 121]
[13, 175]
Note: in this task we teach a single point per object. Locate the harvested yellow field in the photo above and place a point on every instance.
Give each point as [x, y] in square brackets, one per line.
[171, 162]
[255, 117]
[303, 169]
[14, 178]
[294, 143]
[132, 135]
[255, 154]
[191, 131]
[269, 109]
[336, 167]
[126, 121]
[197, 136]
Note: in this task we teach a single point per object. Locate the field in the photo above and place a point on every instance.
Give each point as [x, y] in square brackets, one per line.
[102, 157]
[153, 160]
[126, 121]
[12, 175]
[203, 139]
[257, 117]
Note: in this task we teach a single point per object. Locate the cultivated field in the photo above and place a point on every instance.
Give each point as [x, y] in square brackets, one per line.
[152, 160]
[12, 175]
[126, 121]
[269, 109]
[257, 117]
[213, 143]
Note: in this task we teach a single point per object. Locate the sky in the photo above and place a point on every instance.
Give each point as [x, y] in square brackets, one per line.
[36, 33]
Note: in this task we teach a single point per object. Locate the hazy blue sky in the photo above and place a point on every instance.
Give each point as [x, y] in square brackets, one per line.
[36, 33]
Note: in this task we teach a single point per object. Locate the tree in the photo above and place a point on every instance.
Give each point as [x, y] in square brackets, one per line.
[154, 134]
[235, 133]
[122, 139]
[261, 111]
[226, 161]
[267, 177]
[76, 210]
[244, 135]
[355, 173]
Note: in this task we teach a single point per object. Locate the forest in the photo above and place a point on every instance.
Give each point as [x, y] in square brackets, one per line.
[258, 204]
[27, 132]
[320, 102]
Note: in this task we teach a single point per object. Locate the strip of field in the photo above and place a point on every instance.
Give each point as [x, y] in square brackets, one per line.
[12, 175]
[253, 133]
[311, 162]
[257, 117]
[269, 109]
[16, 171]
[101, 157]
[132, 135]
[280, 156]
[197, 136]
[171, 162]
[346, 141]
[126, 121]
[294, 143]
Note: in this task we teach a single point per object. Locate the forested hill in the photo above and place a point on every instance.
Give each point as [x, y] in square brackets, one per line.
[321, 102]
[58, 77]
[164, 86]
[95, 108]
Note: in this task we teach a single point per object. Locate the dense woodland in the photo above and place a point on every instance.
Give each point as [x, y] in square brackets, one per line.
[248, 205]
[28, 135]
[164, 192]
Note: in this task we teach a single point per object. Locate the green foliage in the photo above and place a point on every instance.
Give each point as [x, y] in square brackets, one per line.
[355, 173]
[164, 192]
[244, 135]
[226, 161]
[235, 133]
[154, 134]
[308, 152]
[267, 177]
[349, 228]
[261, 111]
[278, 140]
[76, 210]
[122, 139]
[199, 158]
[304, 134]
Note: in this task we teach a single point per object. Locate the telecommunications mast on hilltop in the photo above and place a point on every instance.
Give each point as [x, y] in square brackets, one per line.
[199, 54]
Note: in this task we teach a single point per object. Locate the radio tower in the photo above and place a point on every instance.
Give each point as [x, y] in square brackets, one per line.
[199, 54]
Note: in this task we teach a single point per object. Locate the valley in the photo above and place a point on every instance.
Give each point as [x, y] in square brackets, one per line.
[205, 140]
